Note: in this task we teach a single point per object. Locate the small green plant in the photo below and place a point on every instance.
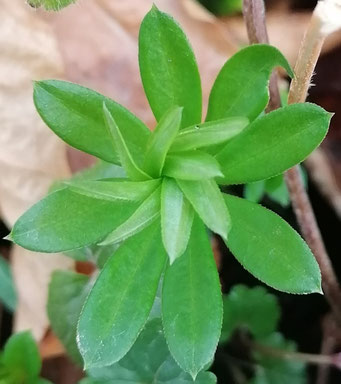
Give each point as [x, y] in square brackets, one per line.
[20, 361]
[163, 195]
[254, 314]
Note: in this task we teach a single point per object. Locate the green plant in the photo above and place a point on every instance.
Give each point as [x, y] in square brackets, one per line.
[20, 361]
[160, 204]
[254, 314]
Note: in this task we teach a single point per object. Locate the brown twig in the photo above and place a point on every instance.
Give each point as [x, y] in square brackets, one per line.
[255, 20]
[307, 358]
[254, 15]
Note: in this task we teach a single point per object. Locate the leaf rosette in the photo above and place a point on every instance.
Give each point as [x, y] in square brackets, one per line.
[168, 191]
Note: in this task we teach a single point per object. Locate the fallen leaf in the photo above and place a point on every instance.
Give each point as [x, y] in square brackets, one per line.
[31, 156]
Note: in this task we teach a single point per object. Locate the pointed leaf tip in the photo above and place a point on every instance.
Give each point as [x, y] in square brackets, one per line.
[8, 237]
[154, 8]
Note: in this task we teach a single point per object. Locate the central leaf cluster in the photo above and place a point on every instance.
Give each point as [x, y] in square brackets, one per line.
[175, 178]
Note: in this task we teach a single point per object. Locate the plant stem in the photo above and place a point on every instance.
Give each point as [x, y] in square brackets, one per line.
[254, 15]
[307, 358]
[310, 50]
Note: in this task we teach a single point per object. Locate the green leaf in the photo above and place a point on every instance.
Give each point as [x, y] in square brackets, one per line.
[118, 143]
[208, 134]
[99, 171]
[254, 191]
[273, 143]
[67, 293]
[248, 308]
[8, 294]
[194, 165]
[160, 141]
[241, 88]
[176, 219]
[208, 202]
[119, 303]
[50, 5]
[21, 359]
[149, 361]
[145, 214]
[192, 304]
[277, 190]
[114, 190]
[272, 370]
[168, 68]
[75, 114]
[65, 220]
[270, 249]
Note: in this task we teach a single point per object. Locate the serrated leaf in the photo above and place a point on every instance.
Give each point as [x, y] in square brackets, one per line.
[272, 370]
[114, 190]
[75, 114]
[20, 360]
[8, 294]
[149, 361]
[168, 68]
[270, 249]
[118, 142]
[145, 214]
[241, 88]
[273, 143]
[119, 304]
[67, 293]
[176, 219]
[208, 134]
[65, 220]
[192, 315]
[160, 141]
[208, 202]
[50, 5]
[248, 308]
[193, 165]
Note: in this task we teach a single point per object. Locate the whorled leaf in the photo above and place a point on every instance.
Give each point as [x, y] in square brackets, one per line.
[145, 214]
[270, 249]
[119, 304]
[208, 134]
[193, 165]
[208, 202]
[65, 220]
[168, 68]
[75, 114]
[241, 88]
[176, 219]
[273, 143]
[160, 141]
[192, 304]
[119, 144]
[124, 190]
